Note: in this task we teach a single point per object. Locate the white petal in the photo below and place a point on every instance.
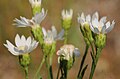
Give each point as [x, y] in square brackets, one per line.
[88, 18]
[92, 28]
[107, 24]
[18, 40]
[54, 31]
[103, 30]
[63, 14]
[95, 23]
[5, 45]
[44, 32]
[39, 17]
[33, 46]
[95, 16]
[23, 40]
[76, 52]
[71, 12]
[11, 48]
[103, 19]
[80, 20]
[110, 27]
[60, 35]
[83, 17]
[28, 41]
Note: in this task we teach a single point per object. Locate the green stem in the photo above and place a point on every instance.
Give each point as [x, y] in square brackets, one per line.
[47, 65]
[26, 72]
[94, 63]
[92, 48]
[82, 62]
[39, 68]
[65, 36]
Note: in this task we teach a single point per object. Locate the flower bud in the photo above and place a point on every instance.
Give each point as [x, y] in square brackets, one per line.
[84, 22]
[36, 6]
[66, 19]
[67, 55]
[100, 40]
[49, 49]
[24, 60]
[37, 32]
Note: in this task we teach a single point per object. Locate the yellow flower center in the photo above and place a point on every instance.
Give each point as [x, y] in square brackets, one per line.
[21, 47]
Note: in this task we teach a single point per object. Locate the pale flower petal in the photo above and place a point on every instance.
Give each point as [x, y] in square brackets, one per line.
[76, 52]
[110, 27]
[54, 31]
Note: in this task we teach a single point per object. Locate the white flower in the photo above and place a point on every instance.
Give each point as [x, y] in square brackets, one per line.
[51, 35]
[34, 22]
[101, 26]
[67, 14]
[35, 2]
[83, 20]
[67, 52]
[23, 45]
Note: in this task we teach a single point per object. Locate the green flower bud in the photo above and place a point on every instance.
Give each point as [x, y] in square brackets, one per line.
[87, 33]
[36, 6]
[24, 60]
[36, 9]
[66, 18]
[100, 40]
[37, 33]
[49, 49]
[66, 24]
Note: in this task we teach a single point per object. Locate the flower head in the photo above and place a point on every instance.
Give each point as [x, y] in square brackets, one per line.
[35, 2]
[34, 22]
[101, 26]
[67, 14]
[67, 52]
[51, 35]
[84, 20]
[23, 45]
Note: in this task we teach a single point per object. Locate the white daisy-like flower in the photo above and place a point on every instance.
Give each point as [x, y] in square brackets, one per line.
[34, 22]
[101, 26]
[35, 3]
[67, 52]
[84, 20]
[67, 14]
[23, 45]
[51, 35]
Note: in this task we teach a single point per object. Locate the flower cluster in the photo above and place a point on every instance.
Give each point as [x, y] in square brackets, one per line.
[93, 28]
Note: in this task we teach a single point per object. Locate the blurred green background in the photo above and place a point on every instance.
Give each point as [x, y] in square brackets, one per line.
[108, 66]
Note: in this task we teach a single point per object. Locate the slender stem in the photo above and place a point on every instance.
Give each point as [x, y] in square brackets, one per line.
[40, 66]
[47, 65]
[83, 60]
[58, 72]
[94, 63]
[92, 49]
[51, 75]
[65, 36]
[26, 72]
